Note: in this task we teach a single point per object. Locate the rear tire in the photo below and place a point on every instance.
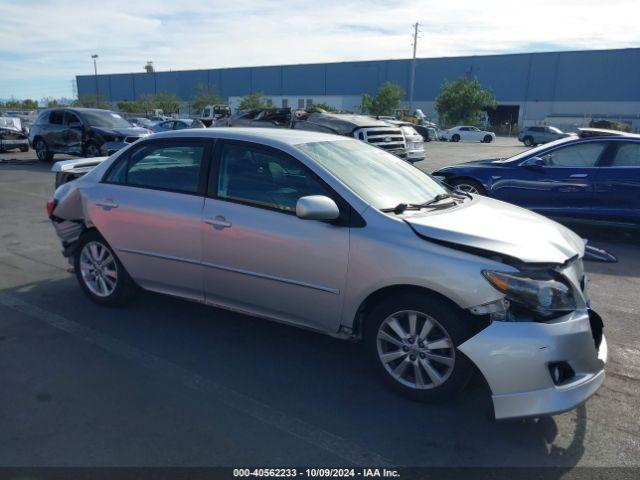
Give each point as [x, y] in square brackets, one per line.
[100, 273]
[42, 150]
[468, 185]
[426, 367]
[455, 138]
[25, 148]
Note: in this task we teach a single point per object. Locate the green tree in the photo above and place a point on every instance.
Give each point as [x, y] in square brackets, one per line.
[129, 106]
[324, 106]
[385, 102]
[89, 100]
[167, 102]
[29, 104]
[461, 101]
[253, 100]
[204, 96]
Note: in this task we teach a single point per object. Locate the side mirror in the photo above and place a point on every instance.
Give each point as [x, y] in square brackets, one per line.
[535, 163]
[75, 125]
[317, 207]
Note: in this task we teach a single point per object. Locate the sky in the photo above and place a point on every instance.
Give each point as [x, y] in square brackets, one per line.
[45, 43]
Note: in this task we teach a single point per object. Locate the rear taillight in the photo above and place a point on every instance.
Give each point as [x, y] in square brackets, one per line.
[51, 206]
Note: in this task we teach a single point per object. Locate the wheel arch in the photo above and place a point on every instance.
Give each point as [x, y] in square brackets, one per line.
[377, 296]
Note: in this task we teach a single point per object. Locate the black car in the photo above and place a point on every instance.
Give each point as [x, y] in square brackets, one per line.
[86, 132]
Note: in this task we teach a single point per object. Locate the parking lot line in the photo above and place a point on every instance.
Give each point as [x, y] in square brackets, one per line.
[349, 452]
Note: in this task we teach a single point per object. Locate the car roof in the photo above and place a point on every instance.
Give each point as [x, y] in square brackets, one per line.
[268, 136]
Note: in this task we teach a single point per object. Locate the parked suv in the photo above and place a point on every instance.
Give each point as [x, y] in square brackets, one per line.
[86, 132]
[330, 234]
[532, 136]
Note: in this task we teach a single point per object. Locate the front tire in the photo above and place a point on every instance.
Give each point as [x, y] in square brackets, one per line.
[100, 273]
[455, 138]
[528, 141]
[487, 139]
[24, 149]
[412, 339]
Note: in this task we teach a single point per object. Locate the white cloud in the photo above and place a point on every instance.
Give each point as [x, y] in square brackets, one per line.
[44, 44]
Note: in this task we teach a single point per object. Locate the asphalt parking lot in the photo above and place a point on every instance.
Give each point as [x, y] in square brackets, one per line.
[167, 382]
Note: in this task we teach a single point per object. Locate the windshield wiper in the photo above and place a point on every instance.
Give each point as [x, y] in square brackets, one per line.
[402, 207]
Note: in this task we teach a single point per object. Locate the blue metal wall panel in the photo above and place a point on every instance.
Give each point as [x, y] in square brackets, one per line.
[541, 83]
[144, 84]
[304, 79]
[610, 75]
[354, 78]
[267, 80]
[121, 86]
[235, 82]
[594, 76]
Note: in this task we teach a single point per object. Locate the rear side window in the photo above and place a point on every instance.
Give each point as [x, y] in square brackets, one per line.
[627, 155]
[162, 167]
[56, 117]
[580, 155]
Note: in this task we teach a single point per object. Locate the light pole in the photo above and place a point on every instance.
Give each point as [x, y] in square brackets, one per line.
[95, 71]
[413, 67]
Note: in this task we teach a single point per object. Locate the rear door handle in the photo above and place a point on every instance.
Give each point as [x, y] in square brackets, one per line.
[579, 175]
[218, 222]
[107, 203]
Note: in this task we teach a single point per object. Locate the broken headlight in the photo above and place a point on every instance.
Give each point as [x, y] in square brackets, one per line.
[543, 294]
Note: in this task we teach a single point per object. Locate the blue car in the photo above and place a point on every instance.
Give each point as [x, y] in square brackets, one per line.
[591, 178]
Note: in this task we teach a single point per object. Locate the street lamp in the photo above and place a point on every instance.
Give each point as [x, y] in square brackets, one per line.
[95, 71]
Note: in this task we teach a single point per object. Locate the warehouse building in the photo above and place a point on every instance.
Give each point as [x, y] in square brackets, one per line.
[566, 89]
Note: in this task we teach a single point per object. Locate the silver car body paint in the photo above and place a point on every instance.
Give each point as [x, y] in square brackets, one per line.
[317, 276]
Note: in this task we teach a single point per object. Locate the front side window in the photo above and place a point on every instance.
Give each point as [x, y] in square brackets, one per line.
[264, 178]
[161, 166]
[627, 155]
[575, 156]
[379, 178]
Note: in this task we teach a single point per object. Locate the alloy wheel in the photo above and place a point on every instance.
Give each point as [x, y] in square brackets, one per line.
[98, 268]
[415, 349]
[465, 187]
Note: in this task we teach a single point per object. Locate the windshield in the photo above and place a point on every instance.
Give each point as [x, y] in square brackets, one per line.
[105, 119]
[533, 151]
[555, 130]
[379, 178]
[10, 122]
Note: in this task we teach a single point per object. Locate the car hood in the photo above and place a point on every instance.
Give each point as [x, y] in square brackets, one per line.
[125, 132]
[494, 226]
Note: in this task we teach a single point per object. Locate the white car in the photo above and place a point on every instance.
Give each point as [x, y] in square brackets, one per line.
[469, 134]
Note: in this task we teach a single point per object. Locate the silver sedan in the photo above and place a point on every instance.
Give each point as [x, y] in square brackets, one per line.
[331, 234]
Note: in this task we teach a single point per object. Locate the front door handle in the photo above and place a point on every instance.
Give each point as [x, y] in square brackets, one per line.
[579, 175]
[218, 222]
[107, 204]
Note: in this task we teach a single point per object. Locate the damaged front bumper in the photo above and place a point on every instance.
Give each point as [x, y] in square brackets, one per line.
[536, 368]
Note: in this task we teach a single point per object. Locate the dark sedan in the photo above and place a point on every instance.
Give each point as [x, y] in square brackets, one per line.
[590, 178]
